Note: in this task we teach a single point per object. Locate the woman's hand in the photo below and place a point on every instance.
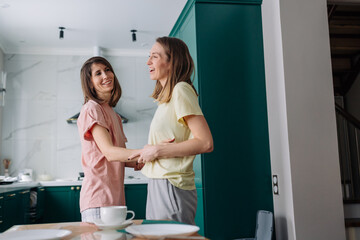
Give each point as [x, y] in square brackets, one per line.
[139, 166]
[135, 165]
[150, 152]
[147, 154]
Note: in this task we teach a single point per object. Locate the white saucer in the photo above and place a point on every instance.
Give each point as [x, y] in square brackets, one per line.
[156, 231]
[104, 226]
[36, 234]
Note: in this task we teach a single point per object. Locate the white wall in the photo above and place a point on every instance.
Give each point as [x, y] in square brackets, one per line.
[302, 127]
[1, 60]
[1, 108]
[44, 90]
[278, 130]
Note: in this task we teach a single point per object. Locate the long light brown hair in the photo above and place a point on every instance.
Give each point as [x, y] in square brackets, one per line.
[88, 88]
[181, 68]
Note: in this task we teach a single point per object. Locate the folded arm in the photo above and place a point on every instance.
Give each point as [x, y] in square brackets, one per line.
[201, 143]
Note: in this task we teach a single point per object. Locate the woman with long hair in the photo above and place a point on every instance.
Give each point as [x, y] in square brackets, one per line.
[177, 133]
[103, 150]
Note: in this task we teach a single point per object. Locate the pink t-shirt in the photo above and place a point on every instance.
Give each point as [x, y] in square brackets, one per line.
[103, 184]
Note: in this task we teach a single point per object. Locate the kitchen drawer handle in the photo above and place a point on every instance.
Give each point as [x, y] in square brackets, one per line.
[72, 188]
[25, 192]
[11, 195]
[42, 189]
[77, 188]
[1, 222]
[1, 197]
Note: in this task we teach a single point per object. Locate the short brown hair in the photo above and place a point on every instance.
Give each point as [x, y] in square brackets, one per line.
[181, 67]
[88, 88]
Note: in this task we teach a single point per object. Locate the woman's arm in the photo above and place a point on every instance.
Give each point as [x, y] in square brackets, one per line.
[201, 143]
[104, 143]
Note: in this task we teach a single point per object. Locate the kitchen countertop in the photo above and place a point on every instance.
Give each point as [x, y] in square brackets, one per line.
[57, 183]
[78, 183]
[18, 186]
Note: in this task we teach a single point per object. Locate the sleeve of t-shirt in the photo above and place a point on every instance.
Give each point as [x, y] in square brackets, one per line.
[185, 101]
[92, 115]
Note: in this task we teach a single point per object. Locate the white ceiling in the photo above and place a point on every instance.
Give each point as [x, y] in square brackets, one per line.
[32, 26]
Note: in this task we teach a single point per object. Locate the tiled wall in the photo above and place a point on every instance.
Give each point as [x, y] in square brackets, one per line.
[43, 91]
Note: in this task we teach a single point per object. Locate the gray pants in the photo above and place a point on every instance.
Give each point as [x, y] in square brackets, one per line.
[165, 201]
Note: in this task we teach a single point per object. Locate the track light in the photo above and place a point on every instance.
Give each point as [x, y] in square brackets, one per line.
[61, 35]
[133, 35]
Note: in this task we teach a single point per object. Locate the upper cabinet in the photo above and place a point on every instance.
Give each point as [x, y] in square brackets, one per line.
[225, 41]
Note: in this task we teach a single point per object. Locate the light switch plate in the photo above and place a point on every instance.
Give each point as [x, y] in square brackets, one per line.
[275, 181]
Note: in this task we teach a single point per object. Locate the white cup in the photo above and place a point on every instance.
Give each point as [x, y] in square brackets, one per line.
[113, 215]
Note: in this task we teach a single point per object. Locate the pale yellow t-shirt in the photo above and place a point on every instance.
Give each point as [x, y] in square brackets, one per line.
[168, 123]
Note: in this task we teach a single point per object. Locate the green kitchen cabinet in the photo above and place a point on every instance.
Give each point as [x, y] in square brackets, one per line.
[135, 197]
[225, 41]
[1, 212]
[40, 205]
[24, 207]
[61, 204]
[14, 208]
[77, 203]
[11, 209]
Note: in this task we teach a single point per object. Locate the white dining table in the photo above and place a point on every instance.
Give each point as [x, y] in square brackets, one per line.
[89, 231]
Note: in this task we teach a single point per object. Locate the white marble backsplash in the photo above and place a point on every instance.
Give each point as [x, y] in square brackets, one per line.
[43, 91]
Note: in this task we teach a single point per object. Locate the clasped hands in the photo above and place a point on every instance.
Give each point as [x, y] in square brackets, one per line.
[149, 152]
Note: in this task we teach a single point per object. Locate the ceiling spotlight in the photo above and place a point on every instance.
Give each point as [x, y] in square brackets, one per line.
[61, 35]
[133, 35]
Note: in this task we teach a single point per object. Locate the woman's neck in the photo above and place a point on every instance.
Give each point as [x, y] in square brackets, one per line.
[163, 82]
[105, 97]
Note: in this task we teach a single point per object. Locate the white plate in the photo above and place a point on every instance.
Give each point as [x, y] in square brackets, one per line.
[104, 226]
[35, 234]
[161, 230]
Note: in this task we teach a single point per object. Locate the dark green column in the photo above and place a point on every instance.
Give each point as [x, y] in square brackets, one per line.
[226, 42]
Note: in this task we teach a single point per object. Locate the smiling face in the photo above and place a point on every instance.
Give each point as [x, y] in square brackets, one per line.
[158, 64]
[102, 79]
